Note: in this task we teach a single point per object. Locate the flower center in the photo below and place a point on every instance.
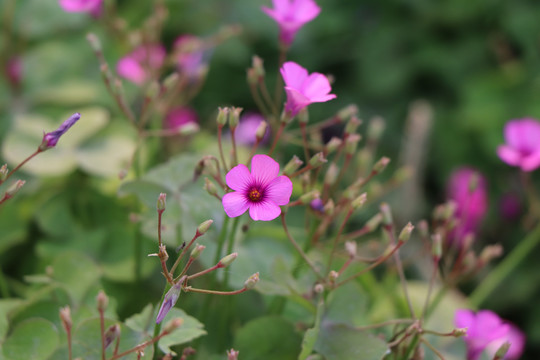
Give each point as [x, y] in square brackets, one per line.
[255, 195]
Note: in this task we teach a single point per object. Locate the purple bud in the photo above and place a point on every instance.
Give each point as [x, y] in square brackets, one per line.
[50, 139]
[170, 299]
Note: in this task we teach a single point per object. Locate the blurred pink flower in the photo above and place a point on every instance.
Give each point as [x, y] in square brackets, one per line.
[468, 188]
[245, 133]
[138, 65]
[93, 7]
[190, 56]
[483, 328]
[291, 15]
[50, 139]
[179, 117]
[261, 191]
[303, 88]
[515, 337]
[13, 70]
[522, 146]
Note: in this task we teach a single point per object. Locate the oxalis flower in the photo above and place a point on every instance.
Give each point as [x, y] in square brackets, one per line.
[522, 146]
[291, 15]
[302, 88]
[50, 139]
[262, 191]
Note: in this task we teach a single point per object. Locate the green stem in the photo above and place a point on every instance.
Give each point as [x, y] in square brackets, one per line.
[505, 267]
[230, 247]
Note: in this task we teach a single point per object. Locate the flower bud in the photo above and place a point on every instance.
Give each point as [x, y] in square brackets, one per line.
[359, 201]
[112, 333]
[351, 143]
[501, 351]
[232, 354]
[102, 301]
[292, 165]
[317, 160]
[374, 222]
[3, 172]
[332, 276]
[169, 300]
[161, 202]
[329, 207]
[223, 115]
[227, 260]
[375, 128]
[261, 130]
[251, 281]
[333, 144]
[331, 174]
[386, 214]
[14, 188]
[490, 252]
[258, 66]
[94, 42]
[65, 317]
[210, 187]
[234, 117]
[50, 139]
[307, 198]
[405, 234]
[350, 247]
[252, 77]
[347, 112]
[352, 125]
[171, 81]
[381, 165]
[203, 227]
[459, 332]
[318, 288]
[197, 251]
[436, 247]
[173, 325]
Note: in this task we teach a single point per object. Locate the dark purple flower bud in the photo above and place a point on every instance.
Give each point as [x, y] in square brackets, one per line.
[50, 139]
[170, 299]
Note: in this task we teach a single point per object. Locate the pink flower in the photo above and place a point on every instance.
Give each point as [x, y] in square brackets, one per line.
[303, 88]
[14, 70]
[522, 146]
[515, 337]
[245, 133]
[467, 187]
[180, 117]
[484, 328]
[190, 56]
[93, 7]
[261, 191]
[141, 62]
[291, 15]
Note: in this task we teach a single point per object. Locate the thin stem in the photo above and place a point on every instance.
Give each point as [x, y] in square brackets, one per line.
[386, 323]
[235, 154]
[257, 98]
[70, 350]
[184, 251]
[230, 247]
[336, 239]
[435, 351]
[20, 165]
[204, 272]
[299, 249]
[220, 145]
[276, 138]
[505, 267]
[102, 329]
[116, 346]
[266, 96]
[214, 292]
[430, 289]
[140, 347]
[301, 171]
[186, 268]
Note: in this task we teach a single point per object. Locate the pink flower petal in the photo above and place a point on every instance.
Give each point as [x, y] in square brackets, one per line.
[130, 69]
[315, 86]
[509, 155]
[279, 190]
[239, 178]
[235, 204]
[296, 101]
[263, 169]
[293, 74]
[264, 210]
[464, 318]
[306, 10]
[523, 134]
[531, 162]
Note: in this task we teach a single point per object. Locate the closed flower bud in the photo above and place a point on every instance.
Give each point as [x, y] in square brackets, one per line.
[153, 90]
[252, 281]
[352, 125]
[329, 208]
[3, 172]
[317, 160]
[258, 66]
[252, 76]
[14, 188]
[161, 202]
[350, 247]
[223, 115]
[374, 222]
[234, 117]
[112, 333]
[459, 332]
[65, 317]
[173, 325]
[232, 354]
[197, 251]
[227, 260]
[386, 214]
[203, 227]
[490, 252]
[405, 234]
[333, 144]
[318, 288]
[359, 201]
[169, 300]
[307, 198]
[436, 247]
[351, 143]
[171, 81]
[332, 276]
[102, 301]
[375, 128]
[50, 139]
[381, 165]
[261, 130]
[331, 174]
[292, 165]
[347, 112]
[210, 187]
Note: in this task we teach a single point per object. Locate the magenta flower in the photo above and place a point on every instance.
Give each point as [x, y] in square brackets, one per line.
[13, 70]
[262, 191]
[467, 187]
[245, 133]
[303, 88]
[51, 138]
[483, 328]
[291, 15]
[522, 146]
[515, 337]
[93, 7]
[190, 56]
[138, 66]
[169, 300]
[180, 117]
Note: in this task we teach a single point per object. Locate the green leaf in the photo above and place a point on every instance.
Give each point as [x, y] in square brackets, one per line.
[347, 305]
[5, 306]
[34, 339]
[191, 329]
[268, 338]
[339, 342]
[311, 335]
